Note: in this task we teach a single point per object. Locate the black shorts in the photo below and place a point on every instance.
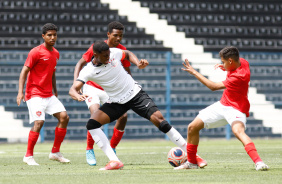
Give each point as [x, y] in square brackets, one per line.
[142, 104]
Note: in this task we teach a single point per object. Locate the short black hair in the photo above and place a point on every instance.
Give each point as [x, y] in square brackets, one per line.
[115, 25]
[49, 26]
[100, 46]
[229, 52]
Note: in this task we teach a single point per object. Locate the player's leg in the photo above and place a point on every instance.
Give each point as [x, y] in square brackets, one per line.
[32, 139]
[207, 118]
[36, 110]
[144, 106]
[106, 114]
[118, 131]
[90, 155]
[56, 108]
[95, 98]
[238, 128]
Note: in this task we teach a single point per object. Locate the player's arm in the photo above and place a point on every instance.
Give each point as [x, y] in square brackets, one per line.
[210, 84]
[54, 85]
[133, 59]
[74, 91]
[22, 80]
[78, 68]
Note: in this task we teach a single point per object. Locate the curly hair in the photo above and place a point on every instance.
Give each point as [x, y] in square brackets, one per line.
[115, 25]
[48, 27]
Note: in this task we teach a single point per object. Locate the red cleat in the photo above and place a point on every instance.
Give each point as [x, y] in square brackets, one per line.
[113, 165]
[201, 162]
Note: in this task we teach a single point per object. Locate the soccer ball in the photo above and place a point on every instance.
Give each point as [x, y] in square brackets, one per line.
[176, 156]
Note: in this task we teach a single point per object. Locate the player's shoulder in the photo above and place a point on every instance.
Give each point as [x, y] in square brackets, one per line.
[120, 46]
[37, 48]
[115, 50]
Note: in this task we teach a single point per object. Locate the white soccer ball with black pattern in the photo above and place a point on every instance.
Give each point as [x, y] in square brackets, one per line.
[176, 156]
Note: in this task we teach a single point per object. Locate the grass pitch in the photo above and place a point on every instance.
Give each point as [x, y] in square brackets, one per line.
[145, 162]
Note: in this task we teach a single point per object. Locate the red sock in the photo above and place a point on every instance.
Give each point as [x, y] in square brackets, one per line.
[89, 141]
[32, 139]
[117, 135]
[191, 153]
[252, 152]
[60, 134]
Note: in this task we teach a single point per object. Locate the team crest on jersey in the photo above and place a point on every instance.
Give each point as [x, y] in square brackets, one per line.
[113, 62]
[90, 99]
[38, 113]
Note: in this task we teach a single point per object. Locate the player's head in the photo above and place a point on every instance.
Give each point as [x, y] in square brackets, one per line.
[101, 52]
[115, 33]
[49, 33]
[230, 58]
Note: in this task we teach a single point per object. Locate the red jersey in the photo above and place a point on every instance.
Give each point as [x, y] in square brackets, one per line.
[42, 64]
[87, 56]
[237, 85]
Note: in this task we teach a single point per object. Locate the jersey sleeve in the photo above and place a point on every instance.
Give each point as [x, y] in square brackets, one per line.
[88, 54]
[31, 59]
[83, 77]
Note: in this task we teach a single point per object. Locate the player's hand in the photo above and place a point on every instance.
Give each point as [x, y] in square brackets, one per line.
[82, 97]
[20, 98]
[188, 67]
[220, 66]
[142, 63]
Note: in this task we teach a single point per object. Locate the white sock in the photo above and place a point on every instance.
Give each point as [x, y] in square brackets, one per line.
[102, 141]
[177, 139]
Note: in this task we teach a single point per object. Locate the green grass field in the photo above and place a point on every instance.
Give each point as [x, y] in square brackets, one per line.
[145, 162]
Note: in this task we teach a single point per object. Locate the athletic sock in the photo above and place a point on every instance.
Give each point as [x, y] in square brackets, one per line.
[89, 141]
[102, 141]
[191, 153]
[117, 135]
[60, 134]
[177, 138]
[32, 139]
[252, 152]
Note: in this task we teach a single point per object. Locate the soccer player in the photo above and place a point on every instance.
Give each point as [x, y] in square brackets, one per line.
[124, 94]
[233, 108]
[97, 95]
[40, 67]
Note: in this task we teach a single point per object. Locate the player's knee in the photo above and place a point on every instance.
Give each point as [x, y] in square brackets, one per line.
[63, 117]
[92, 124]
[164, 126]
[192, 128]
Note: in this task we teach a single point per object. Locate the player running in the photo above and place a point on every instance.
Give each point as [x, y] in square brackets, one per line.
[40, 67]
[97, 95]
[233, 108]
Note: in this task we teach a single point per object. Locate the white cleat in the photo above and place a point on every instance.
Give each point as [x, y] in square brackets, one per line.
[29, 160]
[260, 166]
[58, 157]
[187, 165]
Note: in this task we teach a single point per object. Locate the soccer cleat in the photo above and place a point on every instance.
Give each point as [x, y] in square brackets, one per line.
[115, 150]
[187, 165]
[201, 162]
[260, 166]
[113, 165]
[58, 157]
[29, 160]
[90, 157]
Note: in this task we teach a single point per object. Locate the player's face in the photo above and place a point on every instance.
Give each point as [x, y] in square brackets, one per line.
[50, 37]
[227, 64]
[114, 38]
[102, 57]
